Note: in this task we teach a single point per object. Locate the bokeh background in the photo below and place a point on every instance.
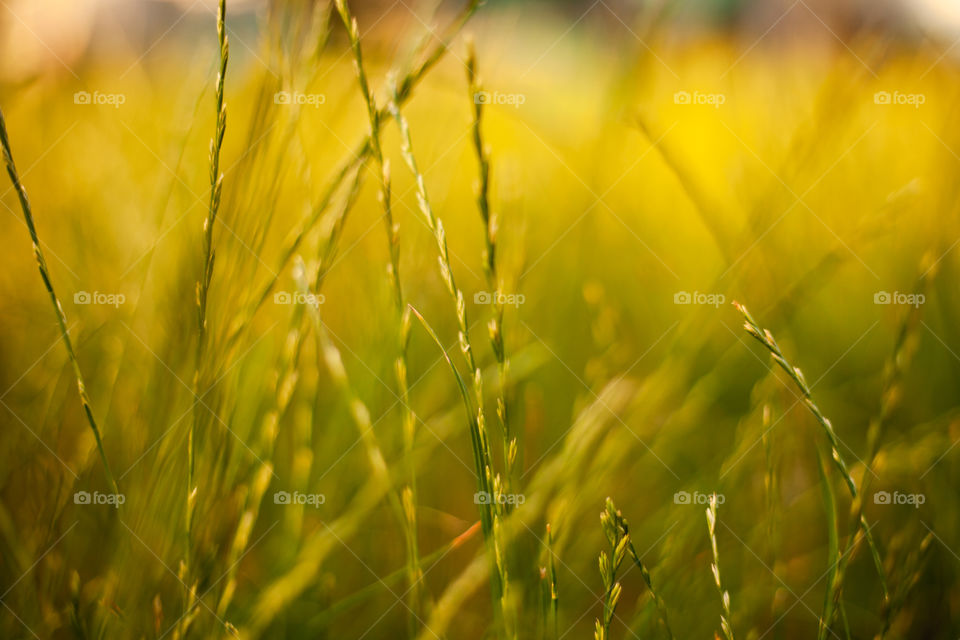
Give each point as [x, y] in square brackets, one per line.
[652, 162]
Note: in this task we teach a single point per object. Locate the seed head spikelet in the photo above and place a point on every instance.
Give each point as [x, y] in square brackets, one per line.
[766, 338]
[617, 532]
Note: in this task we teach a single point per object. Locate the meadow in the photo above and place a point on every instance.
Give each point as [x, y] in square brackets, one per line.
[325, 320]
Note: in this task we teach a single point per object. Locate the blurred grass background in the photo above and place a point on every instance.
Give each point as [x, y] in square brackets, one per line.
[799, 195]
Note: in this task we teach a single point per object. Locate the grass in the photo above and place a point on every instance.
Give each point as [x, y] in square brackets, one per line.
[57, 307]
[346, 476]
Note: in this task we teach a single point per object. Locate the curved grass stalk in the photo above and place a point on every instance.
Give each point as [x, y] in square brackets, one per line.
[54, 301]
[859, 522]
[766, 338]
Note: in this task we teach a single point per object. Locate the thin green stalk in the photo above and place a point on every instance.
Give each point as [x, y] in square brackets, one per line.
[203, 285]
[402, 319]
[715, 568]
[54, 301]
[491, 226]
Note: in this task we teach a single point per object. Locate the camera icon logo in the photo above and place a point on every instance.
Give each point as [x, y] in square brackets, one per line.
[681, 97]
[482, 497]
[482, 297]
[682, 297]
[81, 97]
[882, 297]
[281, 497]
[881, 497]
[282, 97]
[881, 97]
[481, 97]
[81, 297]
[681, 497]
[81, 497]
[282, 297]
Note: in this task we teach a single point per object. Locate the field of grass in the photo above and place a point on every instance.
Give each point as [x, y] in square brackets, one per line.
[483, 323]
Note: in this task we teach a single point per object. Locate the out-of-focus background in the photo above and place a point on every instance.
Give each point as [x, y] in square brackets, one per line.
[651, 163]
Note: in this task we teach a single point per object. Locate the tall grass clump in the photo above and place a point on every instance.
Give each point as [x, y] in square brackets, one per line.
[54, 301]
